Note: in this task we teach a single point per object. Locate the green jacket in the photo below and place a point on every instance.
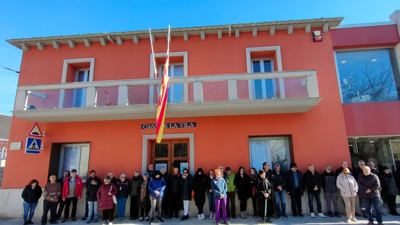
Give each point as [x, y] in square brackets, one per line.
[231, 184]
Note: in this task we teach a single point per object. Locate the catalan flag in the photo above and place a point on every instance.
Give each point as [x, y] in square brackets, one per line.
[162, 99]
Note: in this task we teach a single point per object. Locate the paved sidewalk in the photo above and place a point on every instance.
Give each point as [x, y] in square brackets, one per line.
[306, 220]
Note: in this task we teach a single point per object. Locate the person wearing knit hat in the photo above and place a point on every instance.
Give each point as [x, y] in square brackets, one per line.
[348, 187]
[294, 188]
[389, 190]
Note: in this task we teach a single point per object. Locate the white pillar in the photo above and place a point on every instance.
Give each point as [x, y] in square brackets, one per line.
[20, 101]
[123, 95]
[90, 97]
[198, 91]
[232, 90]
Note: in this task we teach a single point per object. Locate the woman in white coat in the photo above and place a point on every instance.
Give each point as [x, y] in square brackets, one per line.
[348, 189]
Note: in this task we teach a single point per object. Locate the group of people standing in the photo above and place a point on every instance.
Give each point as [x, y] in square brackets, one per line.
[167, 192]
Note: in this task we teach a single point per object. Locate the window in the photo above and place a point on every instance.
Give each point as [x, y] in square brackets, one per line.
[368, 75]
[383, 151]
[274, 150]
[74, 156]
[263, 89]
[175, 91]
[80, 94]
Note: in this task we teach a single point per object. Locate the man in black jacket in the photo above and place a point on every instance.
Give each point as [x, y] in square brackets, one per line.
[313, 183]
[330, 188]
[344, 165]
[279, 184]
[175, 194]
[294, 187]
[368, 191]
[166, 178]
[88, 183]
[61, 181]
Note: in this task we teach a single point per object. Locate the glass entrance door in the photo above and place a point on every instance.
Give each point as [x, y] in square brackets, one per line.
[168, 154]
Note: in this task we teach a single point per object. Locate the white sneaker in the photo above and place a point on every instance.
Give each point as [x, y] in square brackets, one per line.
[354, 220]
[321, 215]
[312, 215]
[347, 221]
[203, 216]
[211, 215]
[110, 223]
[199, 215]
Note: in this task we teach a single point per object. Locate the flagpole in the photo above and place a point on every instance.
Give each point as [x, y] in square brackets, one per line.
[152, 52]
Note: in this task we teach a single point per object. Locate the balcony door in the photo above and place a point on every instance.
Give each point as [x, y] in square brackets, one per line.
[175, 91]
[79, 98]
[264, 88]
[167, 154]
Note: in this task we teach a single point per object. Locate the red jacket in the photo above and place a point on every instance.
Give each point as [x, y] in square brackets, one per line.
[105, 200]
[78, 187]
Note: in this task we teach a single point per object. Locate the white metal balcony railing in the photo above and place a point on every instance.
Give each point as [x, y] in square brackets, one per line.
[211, 95]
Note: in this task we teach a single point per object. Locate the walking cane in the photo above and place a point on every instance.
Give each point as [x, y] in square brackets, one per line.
[265, 210]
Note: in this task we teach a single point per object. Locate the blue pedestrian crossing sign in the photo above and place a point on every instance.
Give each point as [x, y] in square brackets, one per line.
[33, 145]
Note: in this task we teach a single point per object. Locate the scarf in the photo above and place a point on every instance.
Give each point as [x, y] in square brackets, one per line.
[143, 190]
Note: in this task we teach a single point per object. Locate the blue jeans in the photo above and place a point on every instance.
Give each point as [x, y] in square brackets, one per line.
[29, 208]
[121, 202]
[280, 199]
[368, 202]
[211, 203]
[93, 208]
[311, 201]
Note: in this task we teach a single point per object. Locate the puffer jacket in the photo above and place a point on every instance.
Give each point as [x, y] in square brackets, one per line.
[186, 187]
[91, 192]
[371, 182]
[157, 184]
[388, 184]
[347, 185]
[329, 182]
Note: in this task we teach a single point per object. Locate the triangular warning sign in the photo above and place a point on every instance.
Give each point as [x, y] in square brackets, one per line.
[35, 131]
[33, 146]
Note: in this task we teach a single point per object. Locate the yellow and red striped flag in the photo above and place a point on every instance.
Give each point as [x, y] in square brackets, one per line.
[162, 99]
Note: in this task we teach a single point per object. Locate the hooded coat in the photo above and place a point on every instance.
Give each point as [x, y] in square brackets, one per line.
[199, 187]
[243, 186]
[388, 184]
[157, 184]
[186, 187]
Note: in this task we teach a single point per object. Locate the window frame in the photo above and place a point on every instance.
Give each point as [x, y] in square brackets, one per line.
[171, 91]
[185, 73]
[61, 159]
[269, 152]
[262, 70]
[395, 69]
[87, 77]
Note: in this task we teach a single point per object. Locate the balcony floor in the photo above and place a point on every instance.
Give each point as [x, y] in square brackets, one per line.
[192, 109]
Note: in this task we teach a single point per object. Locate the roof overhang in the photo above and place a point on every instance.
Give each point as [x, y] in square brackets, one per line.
[157, 33]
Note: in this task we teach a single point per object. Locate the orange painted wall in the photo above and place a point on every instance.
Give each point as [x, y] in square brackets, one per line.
[319, 136]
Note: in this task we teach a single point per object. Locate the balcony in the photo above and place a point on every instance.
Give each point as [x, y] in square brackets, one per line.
[193, 96]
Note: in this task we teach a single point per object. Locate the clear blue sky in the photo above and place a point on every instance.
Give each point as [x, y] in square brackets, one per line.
[25, 19]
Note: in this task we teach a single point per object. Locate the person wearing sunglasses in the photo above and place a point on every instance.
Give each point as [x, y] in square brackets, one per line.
[348, 187]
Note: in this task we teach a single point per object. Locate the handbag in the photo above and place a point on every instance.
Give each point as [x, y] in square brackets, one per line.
[114, 197]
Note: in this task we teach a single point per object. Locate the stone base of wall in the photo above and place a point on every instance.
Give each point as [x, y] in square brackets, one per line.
[11, 205]
[1, 175]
